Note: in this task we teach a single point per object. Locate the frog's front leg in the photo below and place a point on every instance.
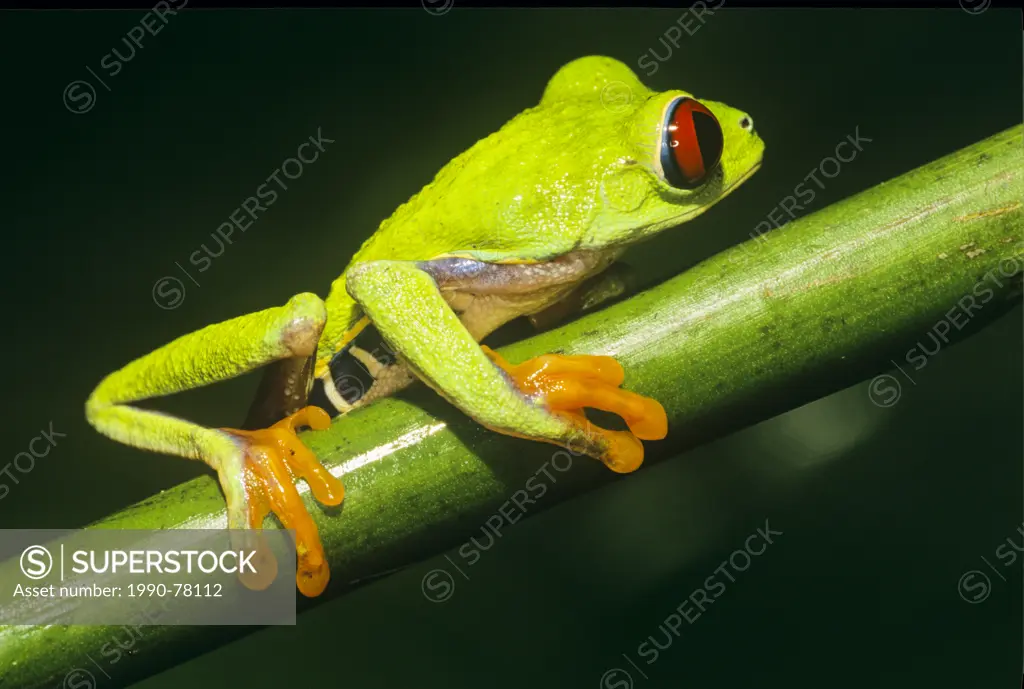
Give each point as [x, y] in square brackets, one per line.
[542, 401]
[256, 469]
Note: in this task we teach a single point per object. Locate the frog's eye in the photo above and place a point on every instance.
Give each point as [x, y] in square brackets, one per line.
[691, 146]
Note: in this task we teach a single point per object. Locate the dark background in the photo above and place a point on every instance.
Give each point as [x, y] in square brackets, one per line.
[882, 510]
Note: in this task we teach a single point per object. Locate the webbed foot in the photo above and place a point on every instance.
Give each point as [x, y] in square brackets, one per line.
[568, 384]
[274, 458]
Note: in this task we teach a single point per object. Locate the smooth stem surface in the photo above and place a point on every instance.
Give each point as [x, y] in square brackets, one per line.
[762, 328]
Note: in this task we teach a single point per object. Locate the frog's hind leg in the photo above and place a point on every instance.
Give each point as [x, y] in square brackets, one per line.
[283, 390]
[256, 469]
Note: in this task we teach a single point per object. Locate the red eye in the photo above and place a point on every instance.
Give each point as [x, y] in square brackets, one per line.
[691, 145]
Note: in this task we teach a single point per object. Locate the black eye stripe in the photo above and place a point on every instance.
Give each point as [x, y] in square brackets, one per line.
[709, 138]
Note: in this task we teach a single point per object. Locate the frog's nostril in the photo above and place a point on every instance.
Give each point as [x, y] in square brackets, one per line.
[747, 123]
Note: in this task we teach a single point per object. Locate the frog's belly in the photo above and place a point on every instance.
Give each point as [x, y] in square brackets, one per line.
[367, 369]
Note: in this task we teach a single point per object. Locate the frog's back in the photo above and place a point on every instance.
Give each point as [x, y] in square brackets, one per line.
[508, 195]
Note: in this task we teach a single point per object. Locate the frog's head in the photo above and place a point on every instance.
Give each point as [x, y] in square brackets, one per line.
[662, 158]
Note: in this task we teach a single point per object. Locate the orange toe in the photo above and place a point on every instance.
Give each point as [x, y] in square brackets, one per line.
[264, 564]
[302, 463]
[645, 417]
[274, 459]
[625, 452]
[568, 384]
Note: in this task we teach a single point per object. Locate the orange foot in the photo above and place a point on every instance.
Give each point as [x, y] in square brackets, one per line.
[274, 459]
[568, 384]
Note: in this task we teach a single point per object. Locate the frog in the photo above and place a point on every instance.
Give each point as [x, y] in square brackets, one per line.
[511, 227]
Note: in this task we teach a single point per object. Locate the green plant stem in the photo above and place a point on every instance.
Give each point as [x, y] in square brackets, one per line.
[771, 324]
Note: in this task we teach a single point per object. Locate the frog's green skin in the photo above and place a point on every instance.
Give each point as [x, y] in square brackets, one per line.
[545, 202]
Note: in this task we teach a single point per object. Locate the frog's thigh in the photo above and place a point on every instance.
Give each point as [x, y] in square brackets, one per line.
[214, 353]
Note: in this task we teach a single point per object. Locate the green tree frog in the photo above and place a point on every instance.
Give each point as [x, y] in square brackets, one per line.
[508, 228]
